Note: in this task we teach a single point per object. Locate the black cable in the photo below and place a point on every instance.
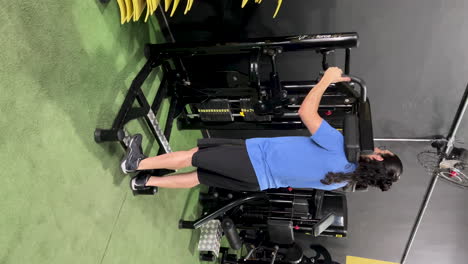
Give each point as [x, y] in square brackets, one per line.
[113, 228]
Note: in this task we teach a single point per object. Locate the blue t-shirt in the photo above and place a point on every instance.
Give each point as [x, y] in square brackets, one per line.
[299, 162]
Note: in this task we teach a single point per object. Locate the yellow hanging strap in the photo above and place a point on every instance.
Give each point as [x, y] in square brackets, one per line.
[148, 9]
[138, 7]
[151, 6]
[191, 3]
[278, 8]
[156, 4]
[167, 4]
[187, 7]
[123, 11]
[174, 6]
[129, 6]
[244, 2]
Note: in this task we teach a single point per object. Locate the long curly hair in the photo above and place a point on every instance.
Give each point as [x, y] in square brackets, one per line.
[381, 174]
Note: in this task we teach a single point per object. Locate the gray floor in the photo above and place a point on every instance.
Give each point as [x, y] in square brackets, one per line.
[414, 57]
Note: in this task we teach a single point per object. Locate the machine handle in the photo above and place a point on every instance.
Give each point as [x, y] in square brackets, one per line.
[231, 234]
[362, 84]
[358, 81]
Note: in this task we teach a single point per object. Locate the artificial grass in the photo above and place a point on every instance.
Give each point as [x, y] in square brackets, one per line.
[66, 66]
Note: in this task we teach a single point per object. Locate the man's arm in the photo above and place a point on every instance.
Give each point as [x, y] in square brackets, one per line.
[308, 112]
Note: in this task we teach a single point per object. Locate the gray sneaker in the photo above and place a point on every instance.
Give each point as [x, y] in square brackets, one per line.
[138, 182]
[133, 156]
[138, 185]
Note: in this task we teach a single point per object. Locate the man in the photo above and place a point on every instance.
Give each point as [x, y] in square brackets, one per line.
[318, 161]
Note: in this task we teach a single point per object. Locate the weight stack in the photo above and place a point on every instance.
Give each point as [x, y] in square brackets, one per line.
[215, 110]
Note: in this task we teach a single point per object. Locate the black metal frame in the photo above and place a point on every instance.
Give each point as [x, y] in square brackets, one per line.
[275, 102]
[175, 79]
[251, 212]
[220, 205]
[128, 112]
[270, 98]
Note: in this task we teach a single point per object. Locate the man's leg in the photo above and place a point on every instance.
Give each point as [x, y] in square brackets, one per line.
[182, 180]
[173, 161]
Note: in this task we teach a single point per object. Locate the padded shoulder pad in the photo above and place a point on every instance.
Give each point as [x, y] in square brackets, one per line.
[365, 128]
[351, 138]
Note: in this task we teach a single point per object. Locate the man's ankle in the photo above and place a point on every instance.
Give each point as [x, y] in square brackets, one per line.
[150, 182]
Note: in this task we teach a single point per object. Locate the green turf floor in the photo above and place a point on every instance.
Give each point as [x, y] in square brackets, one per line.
[66, 66]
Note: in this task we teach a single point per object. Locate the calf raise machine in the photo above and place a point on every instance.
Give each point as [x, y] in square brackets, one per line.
[232, 99]
[235, 100]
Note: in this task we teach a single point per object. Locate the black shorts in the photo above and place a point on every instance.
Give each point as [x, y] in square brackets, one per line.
[227, 167]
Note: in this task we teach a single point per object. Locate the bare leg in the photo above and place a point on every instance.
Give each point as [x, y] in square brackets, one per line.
[173, 161]
[182, 180]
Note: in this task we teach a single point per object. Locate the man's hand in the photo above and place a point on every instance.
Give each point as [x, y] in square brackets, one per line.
[383, 151]
[334, 75]
[309, 107]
